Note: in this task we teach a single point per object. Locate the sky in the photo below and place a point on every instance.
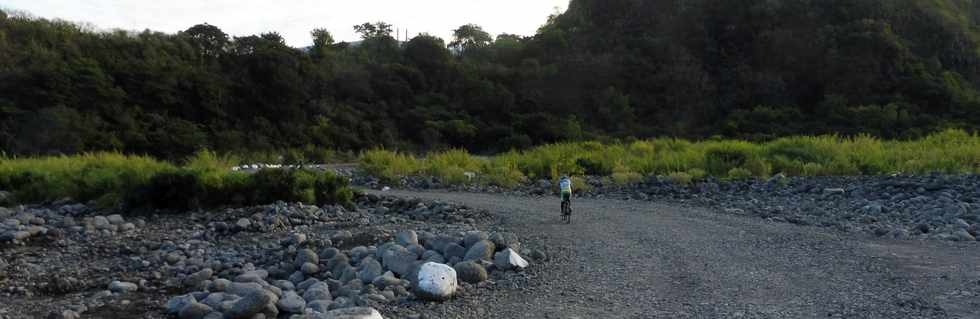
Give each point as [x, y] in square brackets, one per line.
[294, 19]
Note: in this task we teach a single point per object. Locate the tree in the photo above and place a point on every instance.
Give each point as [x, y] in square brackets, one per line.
[322, 41]
[429, 54]
[375, 30]
[209, 40]
[469, 37]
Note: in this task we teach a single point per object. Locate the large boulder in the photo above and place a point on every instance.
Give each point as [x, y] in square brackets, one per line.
[481, 250]
[436, 282]
[399, 260]
[407, 238]
[472, 237]
[509, 259]
[176, 304]
[370, 269]
[291, 303]
[471, 272]
[305, 256]
[454, 250]
[505, 240]
[122, 287]
[194, 310]
[317, 291]
[250, 304]
[439, 242]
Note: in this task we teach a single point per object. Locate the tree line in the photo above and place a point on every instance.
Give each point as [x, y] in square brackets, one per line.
[604, 69]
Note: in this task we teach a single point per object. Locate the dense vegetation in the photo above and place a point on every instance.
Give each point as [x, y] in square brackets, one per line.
[950, 152]
[137, 182]
[603, 70]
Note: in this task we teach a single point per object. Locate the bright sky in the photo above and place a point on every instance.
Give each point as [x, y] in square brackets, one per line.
[294, 19]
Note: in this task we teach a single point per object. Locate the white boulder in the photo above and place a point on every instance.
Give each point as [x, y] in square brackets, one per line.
[509, 259]
[436, 282]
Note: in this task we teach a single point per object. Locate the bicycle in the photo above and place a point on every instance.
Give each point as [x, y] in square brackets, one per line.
[566, 211]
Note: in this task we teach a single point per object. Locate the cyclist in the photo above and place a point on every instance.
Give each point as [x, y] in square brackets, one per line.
[565, 185]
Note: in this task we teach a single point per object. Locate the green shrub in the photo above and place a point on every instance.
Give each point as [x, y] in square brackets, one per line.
[697, 173]
[724, 156]
[680, 178]
[739, 173]
[389, 165]
[593, 167]
[180, 190]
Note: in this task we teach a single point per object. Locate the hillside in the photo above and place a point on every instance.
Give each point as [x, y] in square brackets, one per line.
[603, 69]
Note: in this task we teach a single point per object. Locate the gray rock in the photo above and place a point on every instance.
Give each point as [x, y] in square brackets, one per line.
[341, 236]
[386, 280]
[243, 223]
[329, 253]
[439, 243]
[310, 269]
[291, 303]
[284, 285]
[407, 238]
[115, 219]
[509, 259]
[963, 235]
[370, 269]
[250, 304]
[176, 304]
[399, 260]
[503, 240]
[215, 315]
[194, 311]
[296, 239]
[470, 272]
[258, 275]
[481, 250]
[321, 306]
[215, 299]
[336, 263]
[472, 237]
[317, 291]
[125, 227]
[297, 277]
[100, 222]
[243, 288]
[122, 287]
[306, 256]
[14, 235]
[195, 279]
[219, 284]
[454, 250]
[307, 283]
[433, 256]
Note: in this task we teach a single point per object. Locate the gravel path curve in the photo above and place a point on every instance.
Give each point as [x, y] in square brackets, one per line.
[631, 259]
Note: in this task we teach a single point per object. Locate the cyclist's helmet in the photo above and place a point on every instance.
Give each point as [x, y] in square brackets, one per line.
[564, 177]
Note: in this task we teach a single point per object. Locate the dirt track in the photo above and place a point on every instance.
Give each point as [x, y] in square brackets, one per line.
[631, 259]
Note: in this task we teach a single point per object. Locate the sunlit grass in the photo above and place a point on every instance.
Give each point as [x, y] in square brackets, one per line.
[951, 152]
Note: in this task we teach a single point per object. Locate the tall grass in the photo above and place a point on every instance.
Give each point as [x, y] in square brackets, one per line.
[951, 152]
[206, 179]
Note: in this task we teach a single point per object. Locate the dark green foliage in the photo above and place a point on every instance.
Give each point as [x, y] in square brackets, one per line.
[604, 69]
[177, 191]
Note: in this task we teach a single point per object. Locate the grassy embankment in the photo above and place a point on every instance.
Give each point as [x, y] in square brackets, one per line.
[132, 182]
[950, 152]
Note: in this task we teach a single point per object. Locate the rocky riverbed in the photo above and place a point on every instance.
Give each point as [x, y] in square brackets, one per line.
[931, 207]
[65, 260]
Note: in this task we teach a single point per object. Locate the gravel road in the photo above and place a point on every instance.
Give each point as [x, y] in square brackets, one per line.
[633, 259]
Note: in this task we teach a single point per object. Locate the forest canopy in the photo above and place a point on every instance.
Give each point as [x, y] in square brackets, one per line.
[604, 69]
